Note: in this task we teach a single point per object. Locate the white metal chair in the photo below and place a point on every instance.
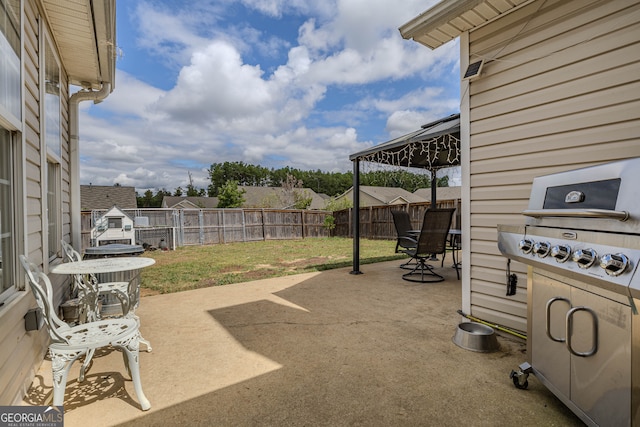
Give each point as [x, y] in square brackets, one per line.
[128, 293]
[68, 343]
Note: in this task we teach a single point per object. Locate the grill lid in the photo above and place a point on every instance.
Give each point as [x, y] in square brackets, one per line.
[605, 197]
[583, 224]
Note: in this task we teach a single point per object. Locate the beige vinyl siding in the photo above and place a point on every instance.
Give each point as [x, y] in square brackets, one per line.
[21, 352]
[560, 89]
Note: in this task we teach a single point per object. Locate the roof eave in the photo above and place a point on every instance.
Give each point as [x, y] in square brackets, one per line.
[104, 13]
[89, 27]
[433, 18]
[448, 19]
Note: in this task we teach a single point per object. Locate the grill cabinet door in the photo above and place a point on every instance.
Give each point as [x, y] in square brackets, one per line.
[599, 384]
[549, 356]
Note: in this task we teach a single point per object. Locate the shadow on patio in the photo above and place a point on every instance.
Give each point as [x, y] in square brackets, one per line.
[326, 348]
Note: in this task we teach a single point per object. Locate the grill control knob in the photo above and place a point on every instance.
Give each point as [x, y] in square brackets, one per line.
[585, 257]
[525, 245]
[542, 249]
[561, 252]
[614, 264]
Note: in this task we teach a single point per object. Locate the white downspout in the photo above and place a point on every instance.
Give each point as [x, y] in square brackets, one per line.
[74, 156]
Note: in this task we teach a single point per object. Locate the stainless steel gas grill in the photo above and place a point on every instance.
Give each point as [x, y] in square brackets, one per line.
[581, 242]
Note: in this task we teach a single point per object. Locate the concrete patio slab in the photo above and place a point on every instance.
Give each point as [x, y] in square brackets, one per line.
[318, 349]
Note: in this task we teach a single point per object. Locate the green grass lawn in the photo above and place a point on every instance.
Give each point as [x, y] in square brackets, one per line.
[192, 267]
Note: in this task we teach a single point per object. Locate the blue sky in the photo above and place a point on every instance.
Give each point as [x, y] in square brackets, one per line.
[274, 83]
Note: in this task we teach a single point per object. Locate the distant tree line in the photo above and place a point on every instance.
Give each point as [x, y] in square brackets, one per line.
[331, 183]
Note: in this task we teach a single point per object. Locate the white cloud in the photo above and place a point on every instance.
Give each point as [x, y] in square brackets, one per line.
[132, 97]
[222, 108]
[217, 85]
[317, 148]
[276, 8]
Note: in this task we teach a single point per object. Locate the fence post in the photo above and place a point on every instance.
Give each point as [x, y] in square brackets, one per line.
[244, 227]
[180, 219]
[224, 226]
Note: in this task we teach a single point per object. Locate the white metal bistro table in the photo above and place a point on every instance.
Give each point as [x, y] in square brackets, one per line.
[84, 272]
[103, 265]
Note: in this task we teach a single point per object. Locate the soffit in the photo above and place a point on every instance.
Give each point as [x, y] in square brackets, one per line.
[84, 32]
[450, 18]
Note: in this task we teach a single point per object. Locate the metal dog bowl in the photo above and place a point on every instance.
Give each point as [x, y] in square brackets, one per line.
[476, 337]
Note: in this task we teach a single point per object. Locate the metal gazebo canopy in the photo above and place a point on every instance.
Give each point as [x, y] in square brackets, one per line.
[434, 146]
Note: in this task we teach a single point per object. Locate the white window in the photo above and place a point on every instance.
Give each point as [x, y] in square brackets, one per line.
[7, 231]
[52, 118]
[10, 114]
[53, 142]
[115, 222]
[10, 105]
[53, 208]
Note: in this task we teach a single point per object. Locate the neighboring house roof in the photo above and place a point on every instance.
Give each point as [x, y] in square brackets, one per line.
[189, 202]
[387, 195]
[442, 193]
[449, 18]
[105, 197]
[276, 197]
[390, 195]
[85, 32]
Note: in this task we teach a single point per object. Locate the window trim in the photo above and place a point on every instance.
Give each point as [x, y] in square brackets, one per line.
[14, 125]
[8, 119]
[53, 208]
[50, 156]
[6, 292]
[48, 46]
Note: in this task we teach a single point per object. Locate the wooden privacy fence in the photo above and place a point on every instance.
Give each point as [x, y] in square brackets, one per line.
[376, 222]
[209, 226]
[183, 227]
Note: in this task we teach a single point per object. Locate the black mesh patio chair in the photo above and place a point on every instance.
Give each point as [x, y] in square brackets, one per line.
[406, 240]
[454, 241]
[431, 241]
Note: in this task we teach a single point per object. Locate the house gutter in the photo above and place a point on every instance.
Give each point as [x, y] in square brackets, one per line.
[74, 155]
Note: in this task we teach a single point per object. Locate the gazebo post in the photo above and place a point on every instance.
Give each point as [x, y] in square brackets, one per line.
[434, 184]
[356, 217]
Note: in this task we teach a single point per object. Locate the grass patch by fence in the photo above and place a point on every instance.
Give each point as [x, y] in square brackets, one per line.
[192, 267]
